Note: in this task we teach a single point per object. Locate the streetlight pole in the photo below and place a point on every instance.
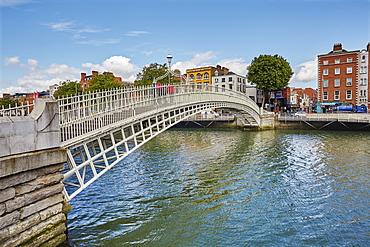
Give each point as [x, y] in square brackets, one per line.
[169, 59]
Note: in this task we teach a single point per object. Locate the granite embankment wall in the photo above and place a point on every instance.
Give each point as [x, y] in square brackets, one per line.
[32, 206]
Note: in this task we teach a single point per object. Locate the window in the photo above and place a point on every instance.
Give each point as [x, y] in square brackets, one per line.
[336, 95]
[326, 72]
[206, 75]
[192, 77]
[337, 60]
[349, 94]
[337, 83]
[231, 86]
[349, 60]
[365, 69]
[199, 85]
[325, 96]
[326, 62]
[230, 79]
[216, 80]
[337, 71]
[326, 83]
[199, 76]
[349, 70]
[363, 58]
[223, 79]
[365, 81]
[349, 82]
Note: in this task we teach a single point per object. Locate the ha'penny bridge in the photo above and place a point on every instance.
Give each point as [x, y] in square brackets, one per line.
[100, 129]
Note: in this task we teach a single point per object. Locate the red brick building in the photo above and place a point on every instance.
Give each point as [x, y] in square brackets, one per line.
[343, 78]
[85, 79]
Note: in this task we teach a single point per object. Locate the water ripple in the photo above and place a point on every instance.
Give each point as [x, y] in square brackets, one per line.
[231, 188]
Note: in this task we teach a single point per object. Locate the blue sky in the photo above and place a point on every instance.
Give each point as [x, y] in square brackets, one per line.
[44, 42]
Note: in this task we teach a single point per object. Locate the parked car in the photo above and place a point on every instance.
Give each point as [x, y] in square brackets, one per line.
[300, 114]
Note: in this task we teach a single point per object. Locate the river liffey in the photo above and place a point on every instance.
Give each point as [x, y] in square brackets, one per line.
[215, 187]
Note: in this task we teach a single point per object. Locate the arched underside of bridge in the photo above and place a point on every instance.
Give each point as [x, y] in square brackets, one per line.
[90, 158]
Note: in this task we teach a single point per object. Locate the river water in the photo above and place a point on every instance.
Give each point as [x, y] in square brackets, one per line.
[217, 187]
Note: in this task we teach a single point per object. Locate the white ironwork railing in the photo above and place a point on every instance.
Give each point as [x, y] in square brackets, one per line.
[17, 110]
[83, 115]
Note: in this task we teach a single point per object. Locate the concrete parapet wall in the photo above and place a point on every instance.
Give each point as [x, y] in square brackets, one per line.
[40, 130]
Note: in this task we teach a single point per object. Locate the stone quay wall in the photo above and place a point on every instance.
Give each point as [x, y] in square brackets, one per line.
[32, 206]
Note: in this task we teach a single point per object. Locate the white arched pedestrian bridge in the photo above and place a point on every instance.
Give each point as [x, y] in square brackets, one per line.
[100, 129]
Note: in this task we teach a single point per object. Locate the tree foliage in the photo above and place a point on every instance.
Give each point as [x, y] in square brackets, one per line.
[68, 88]
[6, 102]
[269, 73]
[103, 82]
[149, 72]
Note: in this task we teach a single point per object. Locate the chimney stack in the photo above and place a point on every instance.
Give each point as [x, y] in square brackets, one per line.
[337, 47]
[368, 46]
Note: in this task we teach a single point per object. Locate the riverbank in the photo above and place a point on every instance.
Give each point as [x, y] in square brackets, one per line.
[343, 121]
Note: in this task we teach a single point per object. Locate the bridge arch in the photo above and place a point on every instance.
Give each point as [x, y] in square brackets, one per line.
[100, 129]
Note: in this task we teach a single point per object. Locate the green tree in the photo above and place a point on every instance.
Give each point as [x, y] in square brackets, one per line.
[150, 72]
[5, 102]
[103, 82]
[68, 88]
[269, 73]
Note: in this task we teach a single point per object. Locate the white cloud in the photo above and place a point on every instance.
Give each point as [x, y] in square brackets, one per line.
[118, 65]
[76, 31]
[99, 42]
[73, 27]
[305, 75]
[147, 53]
[37, 78]
[237, 65]
[305, 72]
[12, 3]
[11, 61]
[199, 60]
[14, 90]
[135, 33]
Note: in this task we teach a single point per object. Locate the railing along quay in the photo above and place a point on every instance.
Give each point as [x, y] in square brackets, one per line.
[328, 117]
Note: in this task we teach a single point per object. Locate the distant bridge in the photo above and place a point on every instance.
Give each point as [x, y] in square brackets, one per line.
[100, 129]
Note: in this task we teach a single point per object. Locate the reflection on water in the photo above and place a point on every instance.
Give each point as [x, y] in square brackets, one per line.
[232, 188]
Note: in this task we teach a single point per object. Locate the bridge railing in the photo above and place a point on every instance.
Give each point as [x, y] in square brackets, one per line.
[17, 110]
[82, 114]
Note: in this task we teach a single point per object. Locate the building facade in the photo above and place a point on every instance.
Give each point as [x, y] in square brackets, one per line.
[86, 79]
[343, 78]
[198, 77]
[231, 81]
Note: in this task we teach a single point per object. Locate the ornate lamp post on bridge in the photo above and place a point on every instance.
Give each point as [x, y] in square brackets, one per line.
[169, 59]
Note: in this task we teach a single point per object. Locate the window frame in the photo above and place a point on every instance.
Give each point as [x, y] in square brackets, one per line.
[349, 82]
[337, 95]
[325, 95]
[337, 82]
[348, 94]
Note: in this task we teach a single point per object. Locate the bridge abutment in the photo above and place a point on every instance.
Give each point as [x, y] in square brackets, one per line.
[32, 204]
